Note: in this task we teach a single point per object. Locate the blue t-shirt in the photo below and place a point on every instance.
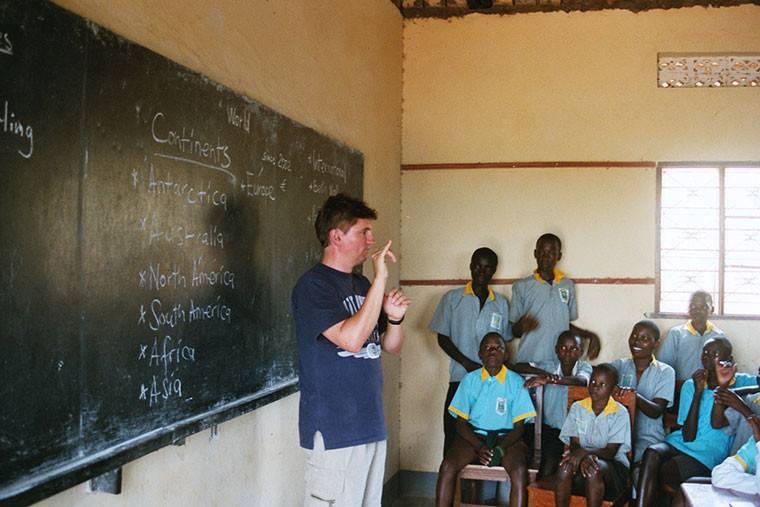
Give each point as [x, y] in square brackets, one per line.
[492, 403]
[341, 392]
[710, 446]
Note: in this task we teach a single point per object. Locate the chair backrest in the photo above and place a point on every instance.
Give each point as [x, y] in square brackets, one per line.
[670, 419]
[537, 394]
[575, 393]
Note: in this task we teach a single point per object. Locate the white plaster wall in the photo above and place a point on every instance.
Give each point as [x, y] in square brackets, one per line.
[335, 68]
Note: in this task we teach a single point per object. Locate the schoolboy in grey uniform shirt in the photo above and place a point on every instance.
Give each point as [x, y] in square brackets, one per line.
[463, 317]
[682, 347]
[543, 305]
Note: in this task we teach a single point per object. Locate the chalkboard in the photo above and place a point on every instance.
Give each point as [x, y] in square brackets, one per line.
[152, 225]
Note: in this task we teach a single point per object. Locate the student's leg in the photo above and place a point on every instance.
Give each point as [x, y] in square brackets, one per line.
[680, 468]
[595, 484]
[563, 488]
[516, 464]
[449, 422]
[459, 455]
[651, 462]
[552, 449]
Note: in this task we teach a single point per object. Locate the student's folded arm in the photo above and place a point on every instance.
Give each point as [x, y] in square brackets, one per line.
[731, 475]
[465, 431]
[651, 408]
[692, 419]
[608, 452]
[529, 369]
[350, 334]
[513, 436]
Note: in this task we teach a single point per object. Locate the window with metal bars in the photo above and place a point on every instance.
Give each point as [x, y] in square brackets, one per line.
[708, 236]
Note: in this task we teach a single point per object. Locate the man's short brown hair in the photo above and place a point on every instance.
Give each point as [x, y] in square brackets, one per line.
[340, 212]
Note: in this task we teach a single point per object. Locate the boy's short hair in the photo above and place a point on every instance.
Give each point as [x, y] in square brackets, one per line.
[608, 368]
[484, 251]
[701, 292]
[340, 212]
[652, 326]
[572, 334]
[492, 333]
[549, 237]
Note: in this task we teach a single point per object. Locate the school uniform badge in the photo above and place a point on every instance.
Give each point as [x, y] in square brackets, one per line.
[496, 321]
[501, 406]
[564, 295]
[581, 425]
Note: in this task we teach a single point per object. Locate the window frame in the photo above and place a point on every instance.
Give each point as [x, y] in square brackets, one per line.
[721, 166]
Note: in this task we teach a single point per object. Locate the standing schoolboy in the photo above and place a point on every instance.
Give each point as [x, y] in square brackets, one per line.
[683, 344]
[741, 472]
[598, 430]
[543, 305]
[462, 319]
[699, 445]
[653, 381]
[490, 401]
[565, 370]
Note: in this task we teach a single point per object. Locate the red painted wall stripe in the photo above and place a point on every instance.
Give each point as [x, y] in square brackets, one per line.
[510, 281]
[522, 165]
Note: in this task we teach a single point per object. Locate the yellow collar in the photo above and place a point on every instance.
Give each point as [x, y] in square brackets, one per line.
[468, 290]
[690, 328]
[501, 376]
[611, 407]
[558, 275]
[733, 381]
[654, 361]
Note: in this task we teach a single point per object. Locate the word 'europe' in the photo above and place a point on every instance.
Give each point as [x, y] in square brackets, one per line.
[14, 126]
[187, 144]
[181, 235]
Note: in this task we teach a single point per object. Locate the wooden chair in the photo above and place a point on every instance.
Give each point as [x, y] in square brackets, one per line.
[670, 421]
[484, 473]
[541, 493]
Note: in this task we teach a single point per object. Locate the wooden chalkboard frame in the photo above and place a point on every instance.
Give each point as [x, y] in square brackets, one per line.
[79, 39]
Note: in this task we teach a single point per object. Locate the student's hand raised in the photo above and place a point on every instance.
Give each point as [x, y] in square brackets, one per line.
[525, 325]
[725, 371]
[699, 377]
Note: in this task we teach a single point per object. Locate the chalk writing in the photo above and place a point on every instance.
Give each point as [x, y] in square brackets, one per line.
[158, 317]
[169, 387]
[320, 187]
[211, 277]
[321, 166]
[181, 235]
[279, 162]
[166, 353]
[6, 47]
[252, 189]
[187, 144]
[14, 126]
[153, 278]
[243, 122]
[205, 193]
[210, 311]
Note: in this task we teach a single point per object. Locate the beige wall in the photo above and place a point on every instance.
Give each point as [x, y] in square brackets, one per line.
[337, 70]
[553, 87]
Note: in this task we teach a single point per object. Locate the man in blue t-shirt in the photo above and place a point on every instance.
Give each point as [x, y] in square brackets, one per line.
[342, 323]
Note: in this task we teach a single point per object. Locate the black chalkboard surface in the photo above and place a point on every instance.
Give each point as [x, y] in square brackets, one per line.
[152, 226]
